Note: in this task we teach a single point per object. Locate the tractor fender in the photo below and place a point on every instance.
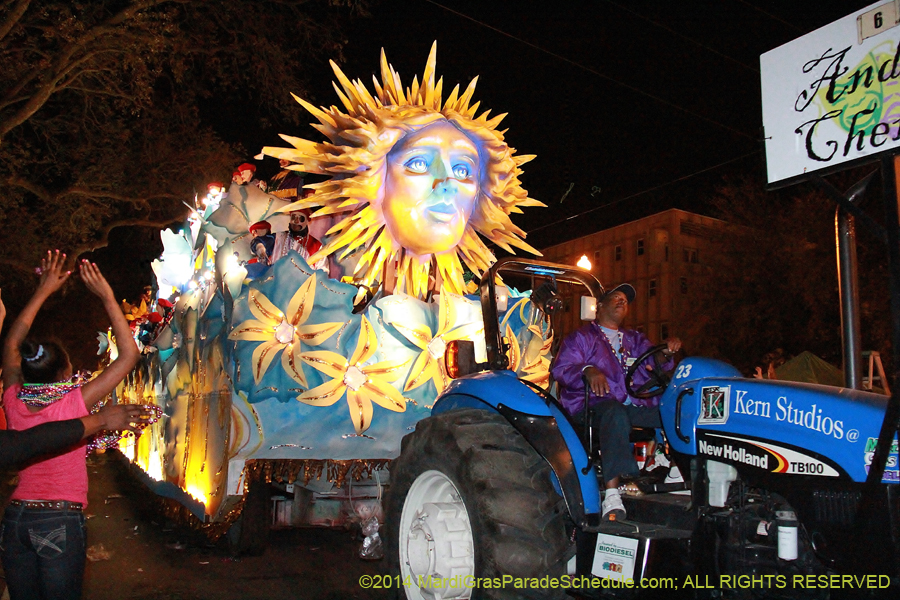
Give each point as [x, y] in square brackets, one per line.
[541, 423]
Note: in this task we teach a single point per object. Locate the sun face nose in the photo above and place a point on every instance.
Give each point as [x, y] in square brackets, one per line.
[444, 183]
[445, 187]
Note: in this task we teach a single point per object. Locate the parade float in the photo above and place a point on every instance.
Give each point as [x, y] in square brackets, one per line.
[295, 384]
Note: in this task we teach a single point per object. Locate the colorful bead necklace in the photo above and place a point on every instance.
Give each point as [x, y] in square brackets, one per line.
[110, 439]
[42, 395]
[623, 354]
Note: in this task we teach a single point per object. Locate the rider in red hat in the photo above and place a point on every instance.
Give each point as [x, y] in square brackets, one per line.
[247, 172]
[263, 242]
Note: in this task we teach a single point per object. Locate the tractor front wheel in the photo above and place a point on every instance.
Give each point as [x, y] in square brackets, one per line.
[472, 503]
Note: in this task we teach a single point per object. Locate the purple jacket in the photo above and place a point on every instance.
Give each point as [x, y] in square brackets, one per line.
[589, 346]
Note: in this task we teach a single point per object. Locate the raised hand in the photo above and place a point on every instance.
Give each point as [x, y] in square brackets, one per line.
[53, 273]
[95, 281]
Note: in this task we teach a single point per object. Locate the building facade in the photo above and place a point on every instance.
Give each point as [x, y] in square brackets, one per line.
[664, 256]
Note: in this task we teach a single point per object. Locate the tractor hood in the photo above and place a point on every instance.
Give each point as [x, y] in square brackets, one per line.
[775, 426]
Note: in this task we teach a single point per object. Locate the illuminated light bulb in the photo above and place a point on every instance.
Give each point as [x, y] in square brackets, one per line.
[232, 262]
[584, 263]
[192, 284]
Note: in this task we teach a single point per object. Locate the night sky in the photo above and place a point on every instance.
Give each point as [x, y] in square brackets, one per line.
[639, 106]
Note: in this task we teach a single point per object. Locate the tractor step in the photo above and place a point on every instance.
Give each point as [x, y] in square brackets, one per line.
[616, 552]
[667, 510]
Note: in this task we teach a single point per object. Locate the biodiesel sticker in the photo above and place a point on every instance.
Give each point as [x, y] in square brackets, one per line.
[614, 557]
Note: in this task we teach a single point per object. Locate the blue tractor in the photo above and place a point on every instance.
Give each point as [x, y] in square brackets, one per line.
[496, 495]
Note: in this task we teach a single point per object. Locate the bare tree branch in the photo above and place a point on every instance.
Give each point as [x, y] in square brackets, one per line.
[13, 17]
[29, 186]
[103, 238]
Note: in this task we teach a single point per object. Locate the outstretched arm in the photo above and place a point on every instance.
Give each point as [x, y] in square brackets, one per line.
[2, 314]
[117, 417]
[97, 389]
[17, 447]
[53, 276]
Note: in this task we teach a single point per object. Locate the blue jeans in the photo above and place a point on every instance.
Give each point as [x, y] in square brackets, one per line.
[43, 553]
[612, 422]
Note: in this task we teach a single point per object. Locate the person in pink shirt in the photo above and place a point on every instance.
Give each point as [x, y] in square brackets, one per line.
[43, 532]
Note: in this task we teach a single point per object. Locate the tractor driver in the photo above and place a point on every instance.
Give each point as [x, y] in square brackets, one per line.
[600, 353]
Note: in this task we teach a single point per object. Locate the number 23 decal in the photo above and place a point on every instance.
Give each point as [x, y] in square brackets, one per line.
[683, 371]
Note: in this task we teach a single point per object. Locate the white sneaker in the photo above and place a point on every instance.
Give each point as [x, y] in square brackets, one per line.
[659, 460]
[674, 475]
[613, 509]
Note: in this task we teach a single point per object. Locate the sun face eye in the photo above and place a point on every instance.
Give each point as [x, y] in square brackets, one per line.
[461, 171]
[417, 165]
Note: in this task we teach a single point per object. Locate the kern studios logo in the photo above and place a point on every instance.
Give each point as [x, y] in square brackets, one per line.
[714, 405]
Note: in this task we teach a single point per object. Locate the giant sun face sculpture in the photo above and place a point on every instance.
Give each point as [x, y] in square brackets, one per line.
[430, 188]
[417, 178]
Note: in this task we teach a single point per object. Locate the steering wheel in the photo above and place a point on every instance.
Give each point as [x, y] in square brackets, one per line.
[659, 377]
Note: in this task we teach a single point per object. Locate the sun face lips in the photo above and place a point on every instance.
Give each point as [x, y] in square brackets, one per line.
[442, 211]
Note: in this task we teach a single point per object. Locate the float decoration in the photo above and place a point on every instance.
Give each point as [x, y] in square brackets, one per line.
[420, 177]
[429, 365]
[361, 384]
[279, 331]
[415, 180]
